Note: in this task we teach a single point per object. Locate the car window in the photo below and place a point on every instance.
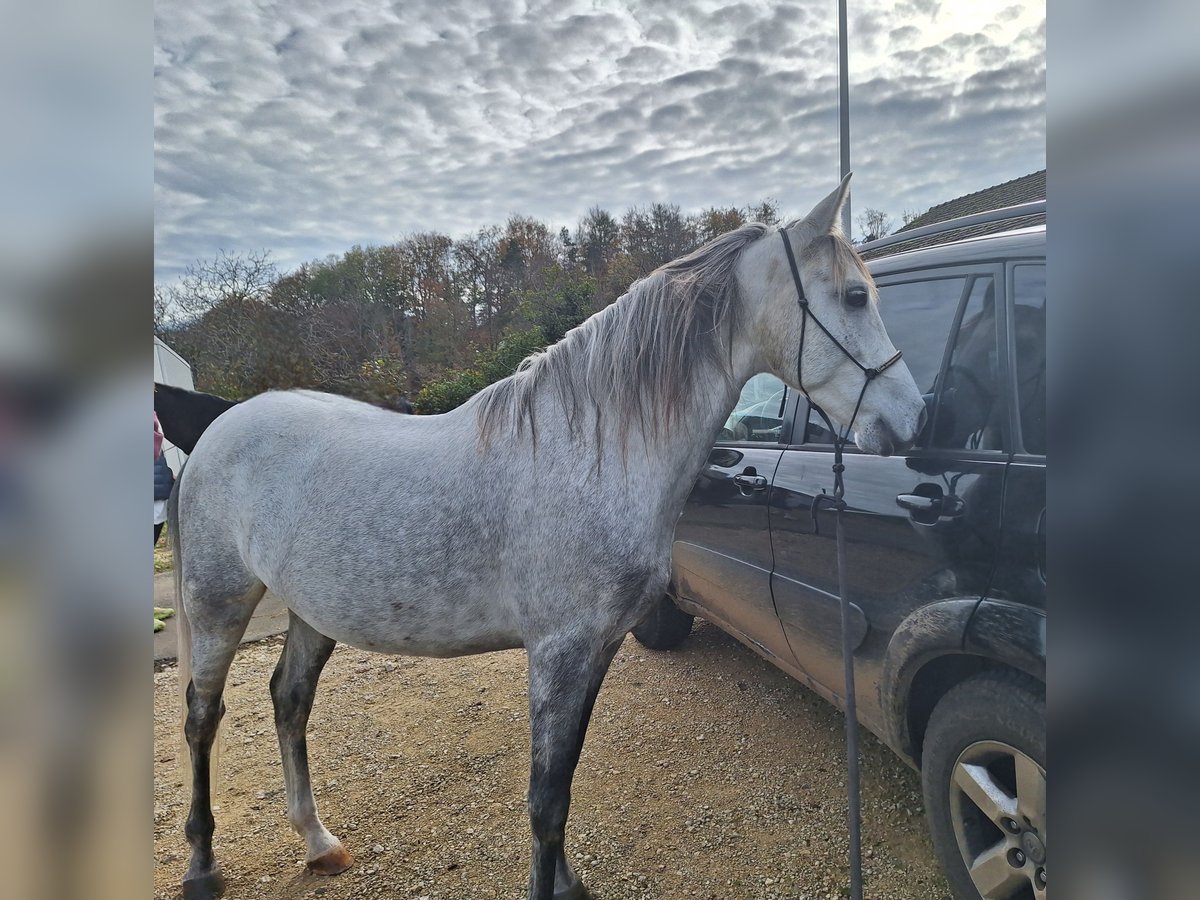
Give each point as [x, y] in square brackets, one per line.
[1029, 329]
[970, 409]
[758, 415]
[918, 316]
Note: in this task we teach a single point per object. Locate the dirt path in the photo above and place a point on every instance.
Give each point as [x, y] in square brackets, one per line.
[707, 774]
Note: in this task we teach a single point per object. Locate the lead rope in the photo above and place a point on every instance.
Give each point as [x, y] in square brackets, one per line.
[837, 503]
[852, 762]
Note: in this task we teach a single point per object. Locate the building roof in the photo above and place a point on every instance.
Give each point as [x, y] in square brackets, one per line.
[1025, 189]
[1010, 193]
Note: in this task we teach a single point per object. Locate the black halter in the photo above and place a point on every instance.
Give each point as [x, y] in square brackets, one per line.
[839, 440]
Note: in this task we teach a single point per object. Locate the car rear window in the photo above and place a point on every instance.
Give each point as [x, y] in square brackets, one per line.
[971, 406]
[1029, 327]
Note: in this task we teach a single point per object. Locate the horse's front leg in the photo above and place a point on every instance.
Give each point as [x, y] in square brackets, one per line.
[564, 678]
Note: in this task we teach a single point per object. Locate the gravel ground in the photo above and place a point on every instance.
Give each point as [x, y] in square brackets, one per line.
[707, 774]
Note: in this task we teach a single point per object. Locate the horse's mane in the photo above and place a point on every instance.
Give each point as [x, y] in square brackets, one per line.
[841, 257]
[634, 359]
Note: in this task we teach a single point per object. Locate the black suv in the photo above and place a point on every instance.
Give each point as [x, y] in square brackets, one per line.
[946, 545]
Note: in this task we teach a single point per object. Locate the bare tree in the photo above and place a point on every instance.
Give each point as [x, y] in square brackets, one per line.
[218, 304]
[908, 216]
[715, 221]
[164, 316]
[228, 279]
[765, 211]
[873, 224]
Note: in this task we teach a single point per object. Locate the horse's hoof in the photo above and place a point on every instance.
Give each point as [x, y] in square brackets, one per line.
[206, 886]
[574, 891]
[331, 862]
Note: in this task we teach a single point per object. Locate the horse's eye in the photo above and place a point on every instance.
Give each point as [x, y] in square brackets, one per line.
[857, 297]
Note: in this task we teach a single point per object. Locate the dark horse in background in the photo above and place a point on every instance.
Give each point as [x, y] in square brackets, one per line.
[184, 414]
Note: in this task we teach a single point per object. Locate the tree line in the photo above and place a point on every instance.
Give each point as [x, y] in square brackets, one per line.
[428, 318]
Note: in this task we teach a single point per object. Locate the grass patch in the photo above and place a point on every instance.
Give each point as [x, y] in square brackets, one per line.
[163, 560]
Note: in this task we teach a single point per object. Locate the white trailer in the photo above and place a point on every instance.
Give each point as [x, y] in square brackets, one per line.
[171, 368]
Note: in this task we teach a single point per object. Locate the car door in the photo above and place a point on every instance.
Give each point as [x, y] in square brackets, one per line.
[721, 558]
[920, 526]
[1021, 566]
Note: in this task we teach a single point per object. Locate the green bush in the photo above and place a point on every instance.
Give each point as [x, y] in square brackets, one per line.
[565, 300]
[513, 348]
[490, 366]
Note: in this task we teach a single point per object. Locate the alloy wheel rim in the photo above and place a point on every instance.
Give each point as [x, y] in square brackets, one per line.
[998, 810]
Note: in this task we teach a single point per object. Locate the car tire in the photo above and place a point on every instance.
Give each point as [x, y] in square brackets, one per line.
[983, 773]
[665, 627]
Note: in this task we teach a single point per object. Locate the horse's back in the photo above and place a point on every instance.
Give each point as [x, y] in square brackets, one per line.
[350, 513]
[286, 425]
[297, 452]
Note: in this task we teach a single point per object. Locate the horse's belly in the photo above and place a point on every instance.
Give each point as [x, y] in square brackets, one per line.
[412, 626]
[431, 645]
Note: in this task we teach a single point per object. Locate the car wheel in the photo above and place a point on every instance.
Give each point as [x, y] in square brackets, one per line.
[984, 777]
[665, 627]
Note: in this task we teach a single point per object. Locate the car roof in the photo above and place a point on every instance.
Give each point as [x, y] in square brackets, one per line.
[1029, 241]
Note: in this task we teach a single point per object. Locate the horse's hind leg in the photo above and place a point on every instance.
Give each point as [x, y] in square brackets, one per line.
[293, 687]
[217, 628]
[564, 679]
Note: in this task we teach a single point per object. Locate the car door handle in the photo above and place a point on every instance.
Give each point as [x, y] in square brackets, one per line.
[944, 505]
[919, 502]
[751, 482]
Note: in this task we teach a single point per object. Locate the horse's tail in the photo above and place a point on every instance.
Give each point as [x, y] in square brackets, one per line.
[184, 646]
[183, 631]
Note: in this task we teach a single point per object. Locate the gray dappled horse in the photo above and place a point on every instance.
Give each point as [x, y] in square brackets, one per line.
[539, 514]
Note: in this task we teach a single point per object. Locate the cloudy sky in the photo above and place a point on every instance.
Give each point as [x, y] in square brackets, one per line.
[305, 127]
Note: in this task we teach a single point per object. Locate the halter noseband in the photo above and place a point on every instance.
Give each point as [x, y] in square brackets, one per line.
[868, 372]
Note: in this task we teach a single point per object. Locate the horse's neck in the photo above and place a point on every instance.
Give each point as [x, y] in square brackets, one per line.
[675, 458]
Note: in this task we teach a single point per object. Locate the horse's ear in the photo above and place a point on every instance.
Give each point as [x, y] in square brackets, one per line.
[826, 217]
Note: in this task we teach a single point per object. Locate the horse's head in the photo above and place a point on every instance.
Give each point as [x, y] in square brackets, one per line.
[842, 298]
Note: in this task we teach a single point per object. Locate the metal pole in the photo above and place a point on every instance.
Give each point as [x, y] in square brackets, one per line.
[844, 107]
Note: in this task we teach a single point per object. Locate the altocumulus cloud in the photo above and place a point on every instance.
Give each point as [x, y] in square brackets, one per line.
[306, 127]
